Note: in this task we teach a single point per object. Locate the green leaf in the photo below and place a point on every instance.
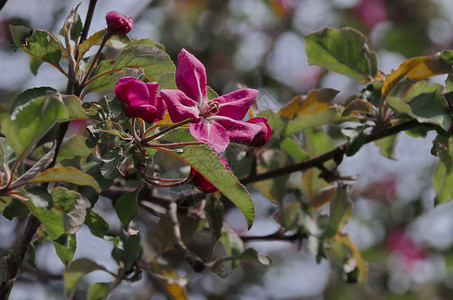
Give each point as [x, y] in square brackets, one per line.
[387, 146]
[167, 81]
[332, 114]
[32, 121]
[51, 220]
[99, 290]
[178, 135]
[443, 174]
[29, 95]
[127, 248]
[67, 174]
[72, 147]
[39, 44]
[77, 270]
[19, 33]
[344, 51]
[425, 108]
[74, 208]
[206, 162]
[94, 39]
[73, 107]
[65, 246]
[316, 101]
[15, 209]
[152, 60]
[40, 197]
[126, 207]
[97, 225]
[340, 212]
[293, 149]
[355, 145]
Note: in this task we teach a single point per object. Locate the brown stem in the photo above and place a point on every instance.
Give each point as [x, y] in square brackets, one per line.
[339, 151]
[86, 26]
[13, 267]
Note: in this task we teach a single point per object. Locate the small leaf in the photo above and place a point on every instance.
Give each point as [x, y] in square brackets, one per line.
[73, 24]
[97, 225]
[332, 114]
[126, 250]
[206, 162]
[387, 146]
[67, 174]
[343, 51]
[316, 101]
[19, 33]
[443, 174]
[126, 207]
[357, 106]
[293, 149]
[77, 270]
[275, 188]
[99, 290]
[415, 68]
[15, 209]
[355, 145]
[425, 108]
[362, 267]
[65, 246]
[44, 46]
[340, 212]
[248, 255]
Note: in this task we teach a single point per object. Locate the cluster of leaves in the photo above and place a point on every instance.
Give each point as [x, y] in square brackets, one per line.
[59, 181]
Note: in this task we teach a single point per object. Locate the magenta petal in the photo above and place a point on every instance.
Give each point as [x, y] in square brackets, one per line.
[153, 88]
[146, 112]
[161, 108]
[210, 133]
[180, 107]
[191, 76]
[239, 131]
[236, 104]
[132, 91]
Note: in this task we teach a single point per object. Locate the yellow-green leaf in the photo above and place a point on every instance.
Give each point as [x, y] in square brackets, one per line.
[67, 174]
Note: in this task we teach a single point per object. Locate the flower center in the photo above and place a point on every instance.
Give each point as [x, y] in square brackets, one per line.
[209, 109]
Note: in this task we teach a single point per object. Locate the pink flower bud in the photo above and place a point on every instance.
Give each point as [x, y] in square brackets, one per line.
[141, 99]
[201, 183]
[263, 135]
[118, 23]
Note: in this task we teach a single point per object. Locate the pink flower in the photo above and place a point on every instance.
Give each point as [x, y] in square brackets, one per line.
[405, 248]
[214, 122]
[141, 99]
[263, 135]
[371, 12]
[118, 23]
[201, 183]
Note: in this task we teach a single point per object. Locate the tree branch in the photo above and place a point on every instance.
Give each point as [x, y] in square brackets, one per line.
[339, 151]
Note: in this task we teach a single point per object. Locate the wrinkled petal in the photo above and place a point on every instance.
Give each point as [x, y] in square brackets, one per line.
[161, 108]
[191, 76]
[131, 90]
[236, 104]
[263, 135]
[146, 112]
[210, 133]
[180, 107]
[238, 131]
[153, 88]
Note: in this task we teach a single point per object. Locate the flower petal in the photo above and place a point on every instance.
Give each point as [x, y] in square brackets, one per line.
[132, 91]
[153, 88]
[146, 112]
[236, 104]
[191, 76]
[238, 131]
[161, 108]
[210, 133]
[180, 107]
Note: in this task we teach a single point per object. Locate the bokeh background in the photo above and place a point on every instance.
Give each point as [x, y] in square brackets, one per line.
[259, 43]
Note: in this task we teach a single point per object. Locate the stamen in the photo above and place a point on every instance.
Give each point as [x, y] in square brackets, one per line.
[209, 109]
